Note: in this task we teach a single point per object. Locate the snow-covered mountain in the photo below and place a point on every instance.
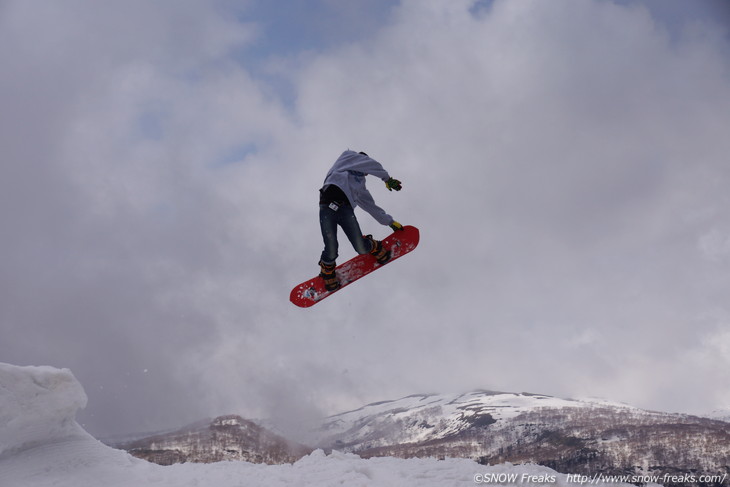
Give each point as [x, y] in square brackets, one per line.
[428, 417]
[572, 436]
[223, 438]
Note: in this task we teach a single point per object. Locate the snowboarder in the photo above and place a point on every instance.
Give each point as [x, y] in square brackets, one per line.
[343, 190]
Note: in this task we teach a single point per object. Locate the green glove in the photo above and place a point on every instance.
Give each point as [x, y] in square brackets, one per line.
[393, 184]
[396, 226]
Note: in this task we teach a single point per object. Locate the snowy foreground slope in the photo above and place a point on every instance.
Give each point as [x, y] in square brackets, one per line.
[41, 444]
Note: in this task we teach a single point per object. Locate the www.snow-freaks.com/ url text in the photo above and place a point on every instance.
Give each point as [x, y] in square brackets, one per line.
[665, 479]
[599, 478]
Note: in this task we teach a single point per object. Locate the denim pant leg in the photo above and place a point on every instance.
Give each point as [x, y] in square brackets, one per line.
[345, 217]
[328, 225]
[348, 222]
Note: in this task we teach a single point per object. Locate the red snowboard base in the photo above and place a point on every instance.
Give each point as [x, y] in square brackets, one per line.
[312, 291]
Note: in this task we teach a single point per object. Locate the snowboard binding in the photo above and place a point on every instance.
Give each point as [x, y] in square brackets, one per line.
[327, 273]
[378, 251]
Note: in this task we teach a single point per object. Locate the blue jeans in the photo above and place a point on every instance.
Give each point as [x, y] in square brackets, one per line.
[344, 216]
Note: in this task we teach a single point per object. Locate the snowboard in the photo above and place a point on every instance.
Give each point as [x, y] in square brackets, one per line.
[312, 291]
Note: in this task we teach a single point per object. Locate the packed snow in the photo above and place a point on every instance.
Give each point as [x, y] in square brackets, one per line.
[41, 444]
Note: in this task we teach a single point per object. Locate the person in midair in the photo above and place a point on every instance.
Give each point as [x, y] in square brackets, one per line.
[344, 190]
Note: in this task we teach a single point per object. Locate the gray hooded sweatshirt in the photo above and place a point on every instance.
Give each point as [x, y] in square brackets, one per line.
[348, 173]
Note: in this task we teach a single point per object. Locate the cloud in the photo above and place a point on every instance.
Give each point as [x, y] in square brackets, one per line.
[565, 165]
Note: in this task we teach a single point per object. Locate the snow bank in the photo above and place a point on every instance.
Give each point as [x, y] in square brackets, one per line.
[37, 405]
[41, 445]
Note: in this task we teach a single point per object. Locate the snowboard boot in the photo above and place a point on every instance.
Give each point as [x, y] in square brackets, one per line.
[381, 255]
[327, 272]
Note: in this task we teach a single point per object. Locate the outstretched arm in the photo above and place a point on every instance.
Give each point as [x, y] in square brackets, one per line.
[367, 203]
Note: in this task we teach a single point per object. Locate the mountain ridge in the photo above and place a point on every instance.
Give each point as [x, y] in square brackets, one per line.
[576, 436]
[228, 437]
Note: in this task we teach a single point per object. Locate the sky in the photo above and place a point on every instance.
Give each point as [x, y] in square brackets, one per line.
[565, 162]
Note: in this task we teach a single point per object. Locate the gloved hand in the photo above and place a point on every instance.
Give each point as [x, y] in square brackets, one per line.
[396, 226]
[393, 184]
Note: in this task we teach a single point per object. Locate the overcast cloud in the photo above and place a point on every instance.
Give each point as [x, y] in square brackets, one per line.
[565, 161]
